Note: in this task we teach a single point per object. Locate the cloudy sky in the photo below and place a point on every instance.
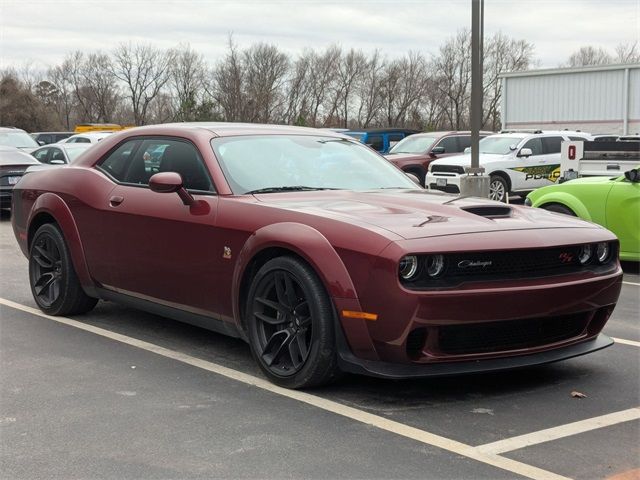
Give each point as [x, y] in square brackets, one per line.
[42, 32]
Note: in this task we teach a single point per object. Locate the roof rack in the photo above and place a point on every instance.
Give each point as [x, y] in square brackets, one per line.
[520, 131]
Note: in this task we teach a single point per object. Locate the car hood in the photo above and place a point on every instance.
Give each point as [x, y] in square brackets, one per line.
[465, 159]
[590, 180]
[412, 214]
[404, 156]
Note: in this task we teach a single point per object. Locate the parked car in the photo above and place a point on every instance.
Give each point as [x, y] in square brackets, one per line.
[613, 203]
[380, 139]
[45, 138]
[60, 153]
[413, 154]
[318, 252]
[517, 162]
[13, 164]
[17, 138]
[90, 137]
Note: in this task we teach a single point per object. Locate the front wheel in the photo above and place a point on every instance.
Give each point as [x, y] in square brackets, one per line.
[290, 324]
[54, 283]
[498, 188]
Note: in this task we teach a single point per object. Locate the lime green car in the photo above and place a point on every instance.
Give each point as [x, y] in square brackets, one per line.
[613, 203]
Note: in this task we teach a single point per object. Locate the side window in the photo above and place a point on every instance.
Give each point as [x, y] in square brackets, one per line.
[375, 141]
[535, 144]
[45, 139]
[552, 144]
[450, 144]
[82, 140]
[464, 141]
[41, 155]
[584, 139]
[56, 154]
[136, 161]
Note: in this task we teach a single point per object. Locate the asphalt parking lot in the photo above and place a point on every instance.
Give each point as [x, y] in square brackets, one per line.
[119, 393]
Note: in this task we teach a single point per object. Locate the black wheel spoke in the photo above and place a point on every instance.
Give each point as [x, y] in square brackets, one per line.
[290, 291]
[270, 320]
[43, 258]
[44, 282]
[298, 349]
[269, 303]
[276, 345]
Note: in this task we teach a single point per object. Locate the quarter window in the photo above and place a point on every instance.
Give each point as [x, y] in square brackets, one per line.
[41, 155]
[376, 142]
[464, 141]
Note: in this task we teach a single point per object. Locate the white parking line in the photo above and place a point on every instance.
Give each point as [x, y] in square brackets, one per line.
[534, 438]
[382, 423]
[626, 342]
[631, 283]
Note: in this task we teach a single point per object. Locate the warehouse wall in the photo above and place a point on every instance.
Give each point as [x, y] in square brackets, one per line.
[590, 99]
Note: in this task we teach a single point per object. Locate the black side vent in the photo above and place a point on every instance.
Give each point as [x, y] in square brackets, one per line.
[489, 211]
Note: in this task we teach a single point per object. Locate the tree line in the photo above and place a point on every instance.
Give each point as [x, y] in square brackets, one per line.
[139, 84]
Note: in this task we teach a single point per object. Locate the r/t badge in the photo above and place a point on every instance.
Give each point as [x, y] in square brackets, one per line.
[226, 254]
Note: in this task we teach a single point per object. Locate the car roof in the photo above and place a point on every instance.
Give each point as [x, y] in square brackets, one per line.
[384, 130]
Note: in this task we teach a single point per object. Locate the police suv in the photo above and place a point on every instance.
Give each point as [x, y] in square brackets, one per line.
[516, 161]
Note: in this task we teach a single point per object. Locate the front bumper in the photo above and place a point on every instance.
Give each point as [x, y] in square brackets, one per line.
[445, 182]
[349, 363]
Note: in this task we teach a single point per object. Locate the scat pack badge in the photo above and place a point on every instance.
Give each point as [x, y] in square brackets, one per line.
[226, 253]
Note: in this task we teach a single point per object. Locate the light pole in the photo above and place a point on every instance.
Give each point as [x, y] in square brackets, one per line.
[476, 183]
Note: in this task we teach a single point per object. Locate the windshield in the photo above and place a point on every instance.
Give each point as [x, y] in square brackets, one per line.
[296, 162]
[498, 145]
[413, 144]
[17, 139]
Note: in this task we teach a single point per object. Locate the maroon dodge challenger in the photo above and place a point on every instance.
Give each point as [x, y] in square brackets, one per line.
[314, 249]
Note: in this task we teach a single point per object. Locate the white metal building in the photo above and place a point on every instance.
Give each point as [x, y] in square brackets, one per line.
[598, 99]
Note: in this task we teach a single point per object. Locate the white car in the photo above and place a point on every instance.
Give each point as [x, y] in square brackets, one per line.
[92, 137]
[516, 162]
[59, 153]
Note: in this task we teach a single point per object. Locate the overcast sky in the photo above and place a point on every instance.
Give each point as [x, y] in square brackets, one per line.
[42, 32]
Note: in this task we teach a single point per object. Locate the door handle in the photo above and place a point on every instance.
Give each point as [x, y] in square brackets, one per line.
[116, 200]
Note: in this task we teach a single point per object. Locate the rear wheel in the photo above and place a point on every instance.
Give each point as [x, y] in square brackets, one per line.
[54, 283]
[290, 324]
[556, 207]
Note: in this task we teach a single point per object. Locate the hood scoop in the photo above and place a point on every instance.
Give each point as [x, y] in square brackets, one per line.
[489, 211]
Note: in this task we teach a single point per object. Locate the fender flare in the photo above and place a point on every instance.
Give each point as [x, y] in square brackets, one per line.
[566, 200]
[53, 205]
[304, 241]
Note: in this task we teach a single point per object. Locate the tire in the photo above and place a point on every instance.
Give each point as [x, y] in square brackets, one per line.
[556, 207]
[290, 325]
[498, 188]
[420, 174]
[54, 282]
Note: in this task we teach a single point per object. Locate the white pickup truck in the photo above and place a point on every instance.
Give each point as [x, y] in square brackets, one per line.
[598, 159]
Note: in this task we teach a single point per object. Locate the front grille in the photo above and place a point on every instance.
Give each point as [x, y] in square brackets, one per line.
[462, 267]
[447, 189]
[447, 169]
[510, 334]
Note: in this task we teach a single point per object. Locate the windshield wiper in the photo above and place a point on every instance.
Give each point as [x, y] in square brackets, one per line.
[289, 188]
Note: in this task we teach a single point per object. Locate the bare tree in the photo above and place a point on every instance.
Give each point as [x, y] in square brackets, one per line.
[228, 83]
[186, 79]
[350, 69]
[628, 52]
[144, 70]
[589, 55]
[64, 102]
[368, 90]
[322, 74]
[298, 92]
[266, 69]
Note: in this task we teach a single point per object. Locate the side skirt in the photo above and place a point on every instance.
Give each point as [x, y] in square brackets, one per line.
[202, 321]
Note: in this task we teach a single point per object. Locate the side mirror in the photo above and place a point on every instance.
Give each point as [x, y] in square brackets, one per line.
[632, 175]
[170, 182]
[525, 152]
[437, 150]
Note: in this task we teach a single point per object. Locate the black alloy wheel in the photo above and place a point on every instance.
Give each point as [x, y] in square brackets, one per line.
[290, 324]
[54, 283]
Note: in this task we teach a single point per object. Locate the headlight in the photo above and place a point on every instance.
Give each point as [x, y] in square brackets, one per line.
[527, 202]
[408, 267]
[435, 265]
[602, 252]
[585, 254]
